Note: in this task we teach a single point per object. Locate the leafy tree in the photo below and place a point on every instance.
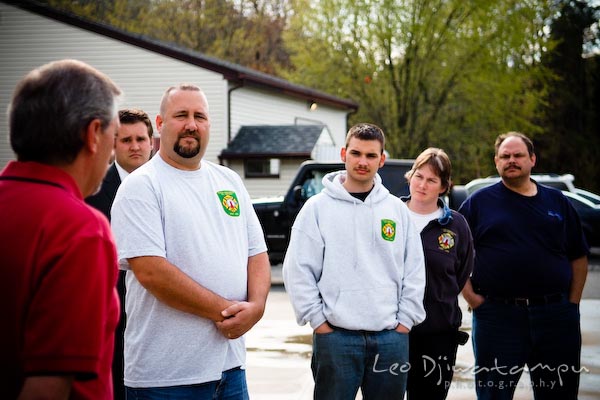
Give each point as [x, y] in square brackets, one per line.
[571, 142]
[244, 32]
[256, 41]
[445, 73]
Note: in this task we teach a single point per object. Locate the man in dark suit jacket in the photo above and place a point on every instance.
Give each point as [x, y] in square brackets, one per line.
[133, 147]
[103, 200]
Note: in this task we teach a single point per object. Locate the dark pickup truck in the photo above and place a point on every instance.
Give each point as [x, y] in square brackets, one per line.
[278, 214]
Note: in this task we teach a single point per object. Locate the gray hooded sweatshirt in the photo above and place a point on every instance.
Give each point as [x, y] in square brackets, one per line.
[357, 265]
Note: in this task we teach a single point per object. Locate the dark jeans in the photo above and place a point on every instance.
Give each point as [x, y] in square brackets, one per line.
[545, 337]
[344, 361]
[432, 359]
[232, 386]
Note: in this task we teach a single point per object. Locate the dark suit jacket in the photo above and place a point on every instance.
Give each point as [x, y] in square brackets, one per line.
[103, 200]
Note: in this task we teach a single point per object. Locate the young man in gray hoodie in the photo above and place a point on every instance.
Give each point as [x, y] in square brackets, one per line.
[355, 271]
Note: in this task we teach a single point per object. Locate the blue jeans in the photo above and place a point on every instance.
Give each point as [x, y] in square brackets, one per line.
[232, 386]
[344, 361]
[545, 337]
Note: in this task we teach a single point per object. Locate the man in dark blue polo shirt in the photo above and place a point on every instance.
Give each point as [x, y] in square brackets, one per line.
[530, 269]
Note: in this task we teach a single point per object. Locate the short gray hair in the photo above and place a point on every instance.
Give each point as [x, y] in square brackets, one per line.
[52, 107]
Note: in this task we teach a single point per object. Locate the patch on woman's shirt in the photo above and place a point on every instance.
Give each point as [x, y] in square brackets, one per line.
[230, 203]
[446, 240]
[388, 230]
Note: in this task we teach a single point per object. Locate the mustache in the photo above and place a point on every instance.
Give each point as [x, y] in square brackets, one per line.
[188, 133]
[511, 166]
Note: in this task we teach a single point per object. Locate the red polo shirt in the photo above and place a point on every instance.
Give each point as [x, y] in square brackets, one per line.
[58, 271]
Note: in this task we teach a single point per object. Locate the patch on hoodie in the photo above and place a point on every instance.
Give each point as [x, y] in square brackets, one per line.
[230, 203]
[388, 230]
[446, 240]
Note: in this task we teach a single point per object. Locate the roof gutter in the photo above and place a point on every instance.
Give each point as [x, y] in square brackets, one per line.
[229, 91]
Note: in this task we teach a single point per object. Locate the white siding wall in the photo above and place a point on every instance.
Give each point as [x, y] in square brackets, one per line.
[252, 106]
[28, 40]
[268, 187]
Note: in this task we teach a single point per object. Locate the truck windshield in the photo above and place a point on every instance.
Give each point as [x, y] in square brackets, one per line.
[313, 185]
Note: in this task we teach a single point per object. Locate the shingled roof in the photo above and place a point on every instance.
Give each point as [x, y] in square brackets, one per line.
[274, 141]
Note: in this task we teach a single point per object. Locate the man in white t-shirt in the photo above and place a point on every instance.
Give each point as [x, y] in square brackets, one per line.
[133, 148]
[187, 230]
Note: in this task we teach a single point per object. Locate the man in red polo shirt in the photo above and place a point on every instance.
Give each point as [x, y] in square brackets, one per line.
[58, 265]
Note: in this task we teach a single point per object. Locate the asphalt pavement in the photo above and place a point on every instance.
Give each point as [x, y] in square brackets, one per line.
[278, 362]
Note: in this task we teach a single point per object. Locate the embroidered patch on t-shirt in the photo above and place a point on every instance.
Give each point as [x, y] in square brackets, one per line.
[230, 203]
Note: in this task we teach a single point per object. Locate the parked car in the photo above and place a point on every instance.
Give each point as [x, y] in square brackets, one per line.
[589, 213]
[593, 197]
[586, 203]
[460, 193]
[560, 182]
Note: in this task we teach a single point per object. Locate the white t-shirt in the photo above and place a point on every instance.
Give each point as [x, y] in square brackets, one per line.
[203, 222]
[421, 220]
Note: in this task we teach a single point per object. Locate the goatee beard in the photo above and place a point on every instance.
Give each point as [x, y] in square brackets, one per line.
[187, 151]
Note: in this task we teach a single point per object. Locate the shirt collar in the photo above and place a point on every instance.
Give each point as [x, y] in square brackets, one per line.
[122, 173]
[44, 172]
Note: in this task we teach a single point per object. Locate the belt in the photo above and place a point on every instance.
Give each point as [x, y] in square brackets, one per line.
[527, 301]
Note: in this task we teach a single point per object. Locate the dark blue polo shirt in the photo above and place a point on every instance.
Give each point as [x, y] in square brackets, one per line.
[523, 245]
